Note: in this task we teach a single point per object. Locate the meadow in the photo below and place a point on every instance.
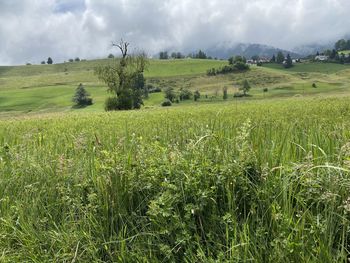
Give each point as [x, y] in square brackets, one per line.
[50, 88]
[256, 181]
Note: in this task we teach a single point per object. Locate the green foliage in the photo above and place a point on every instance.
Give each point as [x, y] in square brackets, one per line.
[170, 94]
[110, 56]
[280, 57]
[237, 59]
[125, 79]
[196, 95]
[77, 59]
[238, 66]
[224, 92]
[163, 55]
[49, 61]
[273, 59]
[185, 94]
[82, 97]
[166, 103]
[289, 62]
[245, 87]
[111, 104]
[200, 55]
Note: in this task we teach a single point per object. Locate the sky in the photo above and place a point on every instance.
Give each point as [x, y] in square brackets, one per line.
[33, 30]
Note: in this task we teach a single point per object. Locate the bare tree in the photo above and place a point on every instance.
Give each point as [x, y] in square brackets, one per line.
[123, 46]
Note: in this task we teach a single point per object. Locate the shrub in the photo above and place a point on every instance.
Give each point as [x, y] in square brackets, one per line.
[170, 94]
[224, 91]
[153, 89]
[314, 85]
[185, 94]
[238, 95]
[166, 103]
[196, 95]
[111, 104]
[265, 89]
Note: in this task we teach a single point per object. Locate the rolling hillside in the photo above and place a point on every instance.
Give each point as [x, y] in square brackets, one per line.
[49, 88]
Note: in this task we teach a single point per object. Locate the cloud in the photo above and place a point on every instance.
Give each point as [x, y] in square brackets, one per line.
[30, 31]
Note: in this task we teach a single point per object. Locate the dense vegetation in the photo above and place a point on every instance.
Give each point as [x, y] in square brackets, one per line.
[256, 181]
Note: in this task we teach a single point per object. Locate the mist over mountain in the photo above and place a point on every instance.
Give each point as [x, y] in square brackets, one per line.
[225, 51]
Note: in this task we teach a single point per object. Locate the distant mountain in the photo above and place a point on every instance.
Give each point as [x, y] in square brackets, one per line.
[310, 49]
[247, 50]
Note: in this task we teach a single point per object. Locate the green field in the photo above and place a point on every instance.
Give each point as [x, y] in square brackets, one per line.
[258, 179]
[49, 88]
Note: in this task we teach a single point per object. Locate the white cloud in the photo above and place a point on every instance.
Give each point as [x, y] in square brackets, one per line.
[30, 31]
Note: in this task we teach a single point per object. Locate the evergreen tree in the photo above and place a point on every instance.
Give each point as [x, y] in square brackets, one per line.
[273, 59]
[81, 96]
[289, 62]
[49, 61]
[280, 58]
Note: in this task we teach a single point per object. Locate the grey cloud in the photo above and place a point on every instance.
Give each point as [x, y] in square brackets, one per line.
[30, 31]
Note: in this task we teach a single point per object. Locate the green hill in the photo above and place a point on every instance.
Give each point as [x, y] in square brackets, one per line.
[49, 88]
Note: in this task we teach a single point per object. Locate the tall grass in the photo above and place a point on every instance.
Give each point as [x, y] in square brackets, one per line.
[254, 182]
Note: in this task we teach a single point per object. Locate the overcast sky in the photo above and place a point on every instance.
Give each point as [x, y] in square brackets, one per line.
[32, 30]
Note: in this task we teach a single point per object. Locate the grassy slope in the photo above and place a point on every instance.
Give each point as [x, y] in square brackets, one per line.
[50, 87]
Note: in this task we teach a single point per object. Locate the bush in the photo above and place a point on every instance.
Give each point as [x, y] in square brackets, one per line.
[196, 95]
[314, 85]
[153, 89]
[170, 94]
[166, 103]
[111, 104]
[265, 89]
[238, 95]
[185, 94]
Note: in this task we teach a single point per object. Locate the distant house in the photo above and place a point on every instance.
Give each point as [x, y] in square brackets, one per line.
[321, 58]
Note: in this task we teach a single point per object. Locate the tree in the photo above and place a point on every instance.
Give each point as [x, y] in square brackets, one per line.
[273, 59]
[280, 57]
[196, 95]
[163, 55]
[289, 62]
[201, 55]
[237, 59]
[81, 96]
[43, 62]
[245, 88]
[255, 58]
[185, 94]
[333, 54]
[125, 78]
[77, 59]
[110, 56]
[224, 91]
[49, 61]
[170, 94]
[341, 45]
